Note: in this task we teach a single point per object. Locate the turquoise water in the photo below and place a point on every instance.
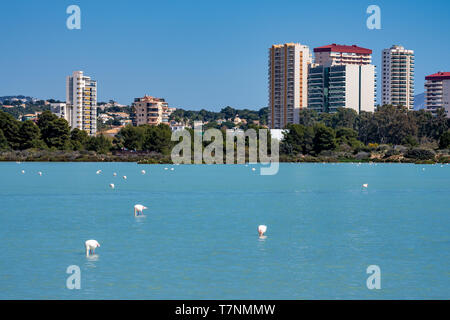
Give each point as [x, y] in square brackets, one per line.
[198, 239]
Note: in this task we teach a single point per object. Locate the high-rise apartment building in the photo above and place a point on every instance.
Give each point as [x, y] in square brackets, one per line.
[397, 78]
[437, 88]
[81, 97]
[151, 110]
[342, 77]
[336, 54]
[288, 83]
[341, 86]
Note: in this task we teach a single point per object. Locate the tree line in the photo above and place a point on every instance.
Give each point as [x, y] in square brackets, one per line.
[226, 113]
[387, 125]
[343, 130]
[49, 132]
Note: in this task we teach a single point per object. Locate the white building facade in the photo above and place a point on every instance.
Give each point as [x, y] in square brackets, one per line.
[62, 110]
[341, 86]
[342, 77]
[437, 87]
[288, 83]
[397, 68]
[81, 97]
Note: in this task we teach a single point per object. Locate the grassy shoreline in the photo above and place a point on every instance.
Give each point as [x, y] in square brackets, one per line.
[157, 158]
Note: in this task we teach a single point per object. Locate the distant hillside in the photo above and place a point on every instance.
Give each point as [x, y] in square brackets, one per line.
[419, 101]
[15, 98]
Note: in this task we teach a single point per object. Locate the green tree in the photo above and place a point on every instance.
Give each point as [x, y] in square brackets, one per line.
[367, 127]
[348, 136]
[78, 139]
[324, 138]
[29, 136]
[444, 141]
[158, 138]
[55, 131]
[298, 139]
[410, 141]
[439, 123]
[346, 133]
[308, 117]
[4, 145]
[344, 117]
[99, 144]
[10, 128]
[132, 137]
[394, 124]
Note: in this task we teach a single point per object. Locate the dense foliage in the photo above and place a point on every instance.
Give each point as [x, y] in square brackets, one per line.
[345, 132]
[224, 114]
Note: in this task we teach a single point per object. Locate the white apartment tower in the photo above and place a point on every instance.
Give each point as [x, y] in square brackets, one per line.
[288, 83]
[397, 66]
[437, 88]
[81, 96]
[341, 86]
[342, 77]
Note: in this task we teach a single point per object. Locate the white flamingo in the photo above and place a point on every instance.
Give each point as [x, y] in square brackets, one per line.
[40, 173]
[114, 174]
[99, 171]
[139, 208]
[90, 246]
[166, 168]
[111, 185]
[365, 185]
[124, 177]
[23, 171]
[253, 169]
[143, 171]
[171, 169]
[261, 230]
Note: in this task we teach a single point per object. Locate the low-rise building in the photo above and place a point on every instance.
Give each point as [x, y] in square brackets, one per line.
[29, 116]
[177, 127]
[151, 110]
[62, 110]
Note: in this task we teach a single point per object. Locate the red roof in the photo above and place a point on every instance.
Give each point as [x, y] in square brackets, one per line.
[341, 48]
[439, 76]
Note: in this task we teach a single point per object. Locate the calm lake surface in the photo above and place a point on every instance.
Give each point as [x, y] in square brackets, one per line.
[198, 238]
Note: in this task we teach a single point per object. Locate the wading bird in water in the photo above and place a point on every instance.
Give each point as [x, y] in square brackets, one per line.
[90, 246]
[261, 230]
[139, 208]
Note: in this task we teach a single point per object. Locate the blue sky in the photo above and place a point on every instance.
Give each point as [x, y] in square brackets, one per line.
[198, 54]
